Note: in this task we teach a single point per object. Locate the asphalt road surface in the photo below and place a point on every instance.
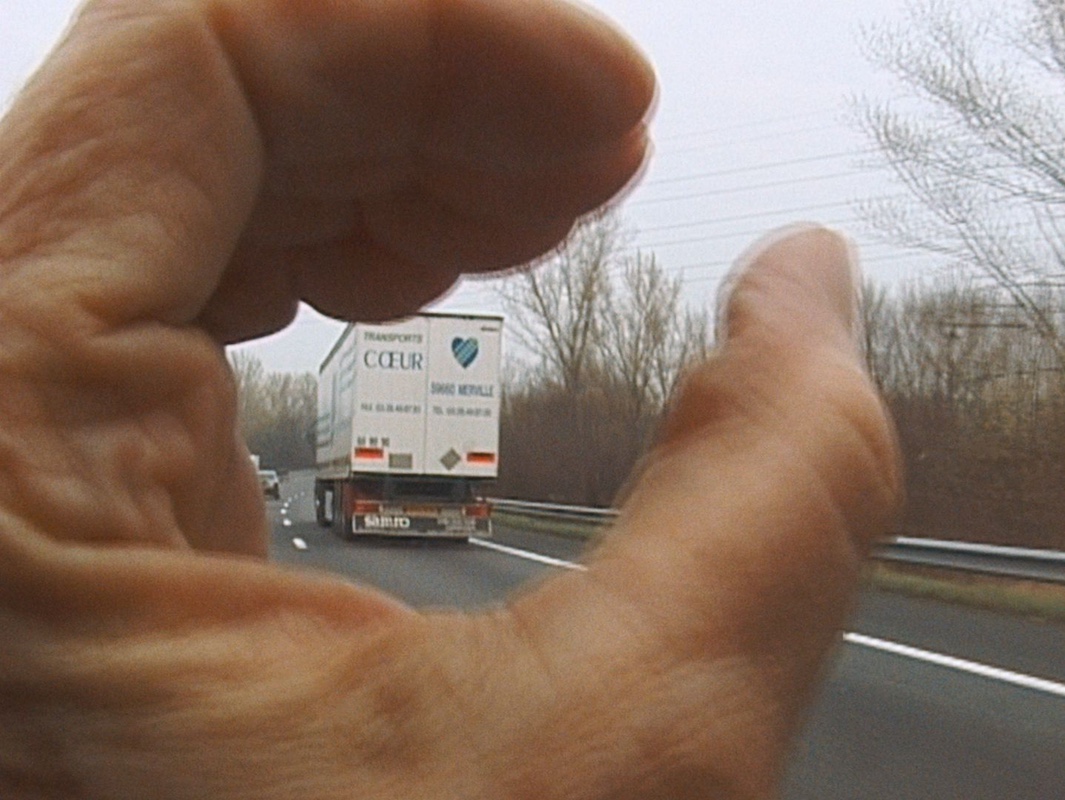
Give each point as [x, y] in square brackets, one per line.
[924, 701]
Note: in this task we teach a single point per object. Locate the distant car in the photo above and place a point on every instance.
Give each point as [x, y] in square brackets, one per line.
[270, 483]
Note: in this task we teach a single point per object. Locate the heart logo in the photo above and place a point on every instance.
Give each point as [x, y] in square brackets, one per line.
[465, 350]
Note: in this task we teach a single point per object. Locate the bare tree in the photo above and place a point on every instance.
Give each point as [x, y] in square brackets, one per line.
[649, 337]
[250, 378]
[292, 402]
[277, 412]
[980, 404]
[610, 335]
[690, 344]
[982, 158]
[556, 310]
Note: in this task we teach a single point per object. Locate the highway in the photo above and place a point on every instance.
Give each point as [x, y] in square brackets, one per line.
[923, 701]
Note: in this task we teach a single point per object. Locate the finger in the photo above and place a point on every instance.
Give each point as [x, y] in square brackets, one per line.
[181, 172]
[777, 466]
[722, 586]
[530, 116]
[166, 142]
[131, 162]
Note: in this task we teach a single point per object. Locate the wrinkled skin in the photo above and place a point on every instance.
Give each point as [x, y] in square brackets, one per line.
[177, 176]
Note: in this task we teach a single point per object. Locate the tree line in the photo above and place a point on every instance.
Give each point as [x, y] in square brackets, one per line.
[277, 413]
[978, 397]
[971, 362]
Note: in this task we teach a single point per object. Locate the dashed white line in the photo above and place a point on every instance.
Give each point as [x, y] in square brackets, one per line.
[959, 664]
[858, 639]
[527, 555]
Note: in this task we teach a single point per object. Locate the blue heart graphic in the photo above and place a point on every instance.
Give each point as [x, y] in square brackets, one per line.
[465, 350]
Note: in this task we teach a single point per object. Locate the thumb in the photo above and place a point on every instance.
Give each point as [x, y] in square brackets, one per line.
[732, 564]
[777, 466]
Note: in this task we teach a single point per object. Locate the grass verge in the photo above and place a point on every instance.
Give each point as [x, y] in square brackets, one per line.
[1029, 599]
[567, 529]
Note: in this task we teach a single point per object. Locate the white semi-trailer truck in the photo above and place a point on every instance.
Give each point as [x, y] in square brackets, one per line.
[408, 427]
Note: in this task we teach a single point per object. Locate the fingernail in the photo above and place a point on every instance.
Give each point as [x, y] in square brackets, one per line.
[851, 308]
[740, 266]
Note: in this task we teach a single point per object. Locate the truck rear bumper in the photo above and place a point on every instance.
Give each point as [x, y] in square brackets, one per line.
[445, 527]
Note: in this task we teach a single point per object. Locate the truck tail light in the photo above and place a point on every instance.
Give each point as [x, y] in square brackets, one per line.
[478, 510]
[365, 507]
[373, 453]
[481, 458]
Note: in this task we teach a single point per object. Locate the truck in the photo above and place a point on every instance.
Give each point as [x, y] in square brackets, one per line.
[408, 427]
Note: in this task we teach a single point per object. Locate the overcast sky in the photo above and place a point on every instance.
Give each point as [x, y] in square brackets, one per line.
[750, 131]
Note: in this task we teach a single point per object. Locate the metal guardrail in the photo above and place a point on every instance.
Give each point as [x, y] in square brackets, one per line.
[1044, 566]
[554, 510]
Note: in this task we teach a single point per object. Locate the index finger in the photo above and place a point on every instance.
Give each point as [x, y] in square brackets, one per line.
[216, 162]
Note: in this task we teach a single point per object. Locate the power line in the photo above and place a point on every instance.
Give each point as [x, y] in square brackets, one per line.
[792, 212]
[722, 268]
[734, 234]
[751, 124]
[760, 167]
[728, 143]
[831, 223]
[748, 188]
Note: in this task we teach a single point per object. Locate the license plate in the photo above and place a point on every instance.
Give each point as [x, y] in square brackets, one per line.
[423, 511]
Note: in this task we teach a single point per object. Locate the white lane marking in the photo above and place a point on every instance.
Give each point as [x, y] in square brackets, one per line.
[960, 664]
[299, 543]
[286, 522]
[859, 639]
[528, 556]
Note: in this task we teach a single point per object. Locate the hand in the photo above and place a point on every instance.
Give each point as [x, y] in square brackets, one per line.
[178, 176]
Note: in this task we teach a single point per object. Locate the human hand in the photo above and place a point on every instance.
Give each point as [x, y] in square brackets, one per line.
[179, 175]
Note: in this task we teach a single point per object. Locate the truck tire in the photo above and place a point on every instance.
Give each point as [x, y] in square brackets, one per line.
[321, 512]
[341, 521]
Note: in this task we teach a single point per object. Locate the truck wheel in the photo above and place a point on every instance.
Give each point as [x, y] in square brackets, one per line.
[321, 515]
[341, 521]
